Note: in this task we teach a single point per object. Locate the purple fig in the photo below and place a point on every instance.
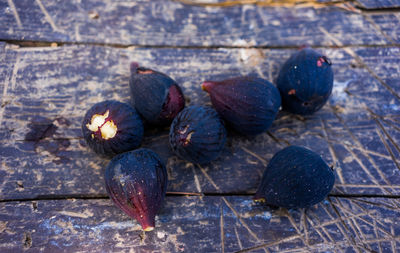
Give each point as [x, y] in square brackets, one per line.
[156, 96]
[295, 177]
[305, 82]
[197, 134]
[248, 104]
[136, 181]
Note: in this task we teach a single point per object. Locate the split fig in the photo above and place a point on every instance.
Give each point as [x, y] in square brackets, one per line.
[112, 127]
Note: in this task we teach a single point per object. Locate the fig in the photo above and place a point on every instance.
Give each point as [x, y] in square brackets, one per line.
[112, 127]
[197, 134]
[305, 82]
[156, 96]
[295, 177]
[136, 181]
[248, 104]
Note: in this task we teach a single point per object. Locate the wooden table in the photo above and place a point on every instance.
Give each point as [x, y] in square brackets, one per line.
[58, 58]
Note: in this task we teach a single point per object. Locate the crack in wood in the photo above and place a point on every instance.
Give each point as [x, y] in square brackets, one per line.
[360, 162]
[387, 134]
[238, 238]
[262, 160]
[273, 3]
[367, 222]
[378, 28]
[354, 226]
[27, 241]
[15, 12]
[388, 148]
[244, 224]
[332, 151]
[349, 5]
[222, 234]
[299, 233]
[47, 16]
[266, 245]
[347, 234]
[7, 83]
[319, 225]
[278, 140]
[181, 194]
[209, 179]
[360, 62]
[50, 44]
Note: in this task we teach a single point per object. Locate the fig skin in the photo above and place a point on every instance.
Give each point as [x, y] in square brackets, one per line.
[197, 134]
[122, 116]
[295, 177]
[156, 96]
[248, 104]
[137, 181]
[305, 82]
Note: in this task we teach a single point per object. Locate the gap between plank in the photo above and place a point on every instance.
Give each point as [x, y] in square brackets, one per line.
[55, 44]
[178, 194]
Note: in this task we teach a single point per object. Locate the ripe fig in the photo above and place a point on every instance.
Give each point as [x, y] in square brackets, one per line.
[112, 127]
[295, 177]
[156, 96]
[136, 181]
[248, 104]
[197, 134]
[305, 82]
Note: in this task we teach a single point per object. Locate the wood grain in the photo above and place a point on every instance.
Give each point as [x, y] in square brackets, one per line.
[76, 53]
[381, 4]
[46, 91]
[193, 224]
[172, 23]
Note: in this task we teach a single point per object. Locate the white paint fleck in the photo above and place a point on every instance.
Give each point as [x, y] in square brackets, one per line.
[244, 43]
[348, 159]
[267, 215]
[160, 235]
[338, 91]
[247, 202]
[276, 22]
[392, 106]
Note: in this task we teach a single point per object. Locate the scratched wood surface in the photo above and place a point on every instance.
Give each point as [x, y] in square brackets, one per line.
[173, 23]
[356, 132]
[202, 224]
[381, 4]
[59, 58]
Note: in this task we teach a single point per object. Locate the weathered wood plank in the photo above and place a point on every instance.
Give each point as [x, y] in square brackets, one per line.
[388, 24]
[49, 90]
[387, 69]
[171, 23]
[202, 224]
[381, 4]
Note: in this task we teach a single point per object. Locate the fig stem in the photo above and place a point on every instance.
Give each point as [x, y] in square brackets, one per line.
[259, 200]
[134, 66]
[206, 85]
[147, 229]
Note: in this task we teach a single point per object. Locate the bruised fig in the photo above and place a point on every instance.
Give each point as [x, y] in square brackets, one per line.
[156, 96]
[136, 181]
[248, 104]
[197, 134]
[295, 177]
[305, 82]
[112, 127]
